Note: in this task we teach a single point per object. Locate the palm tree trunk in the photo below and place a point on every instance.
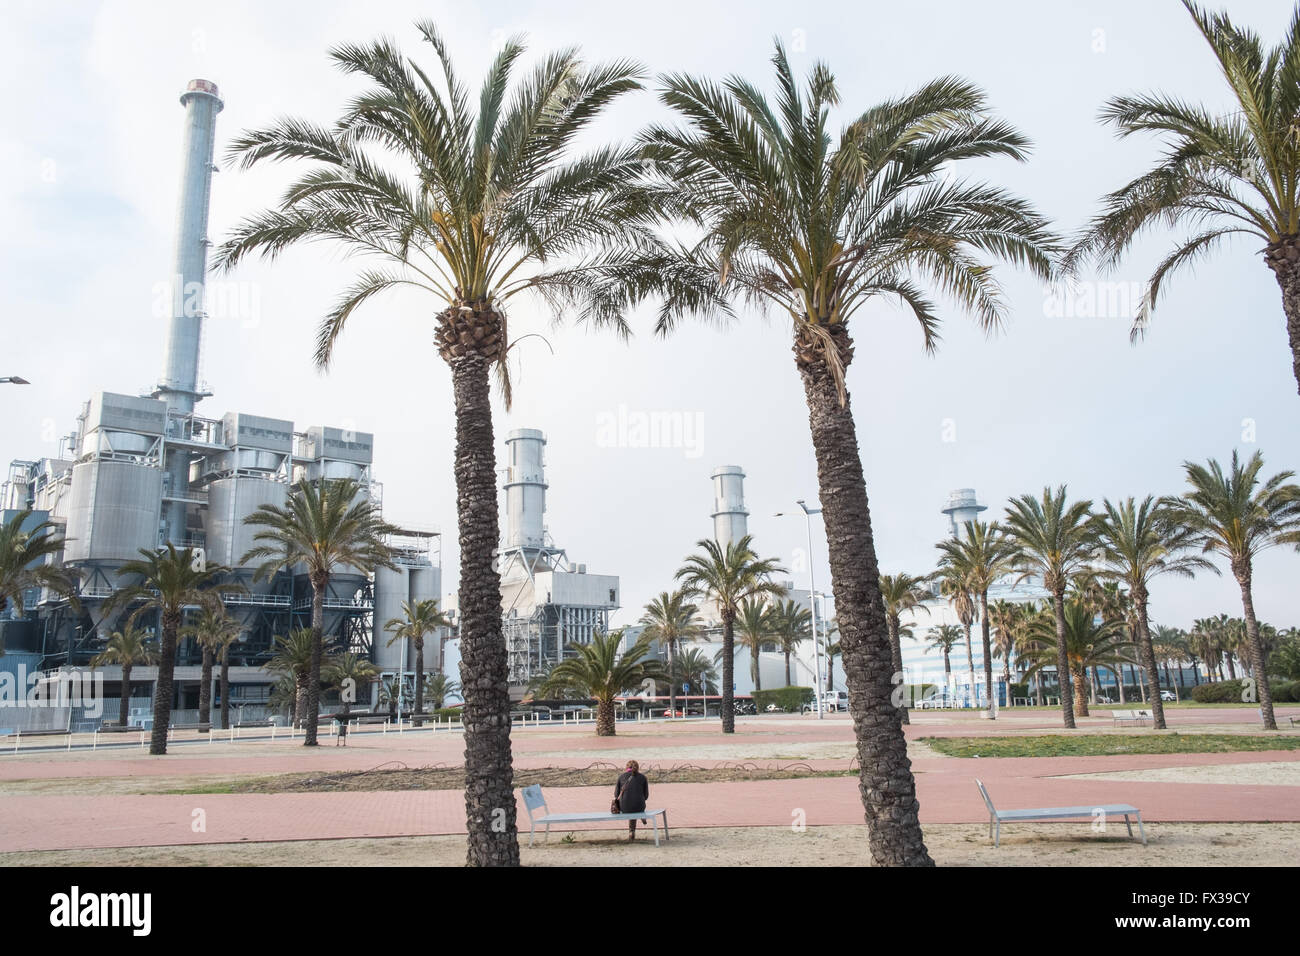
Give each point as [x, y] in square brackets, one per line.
[124, 706]
[1063, 660]
[970, 665]
[728, 674]
[1148, 652]
[489, 774]
[988, 651]
[225, 688]
[300, 700]
[754, 666]
[1080, 678]
[1283, 257]
[205, 689]
[896, 659]
[886, 784]
[604, 717]
[787, 668]
[1006, 678]
[318, 585]
[1254, 648]
[164, 688]
[418, 644]
[672, 677]
[1232, 670]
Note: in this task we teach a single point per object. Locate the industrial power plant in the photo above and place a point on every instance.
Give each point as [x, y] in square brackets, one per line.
[144, 471]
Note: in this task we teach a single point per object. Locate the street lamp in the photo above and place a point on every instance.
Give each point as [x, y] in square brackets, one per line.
[812, 601]
[14, 380]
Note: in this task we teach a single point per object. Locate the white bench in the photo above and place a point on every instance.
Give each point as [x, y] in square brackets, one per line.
[996, 816]
[533, 800]
[1134, 716]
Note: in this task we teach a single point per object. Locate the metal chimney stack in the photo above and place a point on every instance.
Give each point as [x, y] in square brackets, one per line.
[179, 385]
[730, 519]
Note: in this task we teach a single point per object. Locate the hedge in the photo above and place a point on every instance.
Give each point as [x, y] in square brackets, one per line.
[788, 699]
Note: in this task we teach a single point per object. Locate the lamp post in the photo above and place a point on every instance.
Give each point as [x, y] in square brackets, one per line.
[812, 601]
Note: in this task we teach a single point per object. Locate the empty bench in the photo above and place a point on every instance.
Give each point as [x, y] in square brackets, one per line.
[1131, 716]
[996, 816]
[533, 801]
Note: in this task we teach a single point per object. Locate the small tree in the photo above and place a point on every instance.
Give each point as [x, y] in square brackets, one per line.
[213, 631]
[126, 649]
[599, 671]
[421, 618]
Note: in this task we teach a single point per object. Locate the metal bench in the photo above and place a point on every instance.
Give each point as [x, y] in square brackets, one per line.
[533, 800]
[1130, 716]
[996, 816]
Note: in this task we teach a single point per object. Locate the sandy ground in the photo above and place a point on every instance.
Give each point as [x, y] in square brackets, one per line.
[1278, 774]
[1169, 844]
[745, 750]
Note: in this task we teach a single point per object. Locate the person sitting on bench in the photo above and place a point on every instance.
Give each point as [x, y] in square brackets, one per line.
[631, 791]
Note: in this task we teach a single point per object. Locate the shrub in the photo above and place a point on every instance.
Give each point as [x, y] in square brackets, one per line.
[1221, 692]
[1286, 691]
[788, 699]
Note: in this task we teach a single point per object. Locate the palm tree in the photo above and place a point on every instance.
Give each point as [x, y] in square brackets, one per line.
[670, 619]
[483, 206]
[1089, 643]
[831, 648]
[817, 228]
[1054, 539]
[1138, 543]
[599, 671]
[421, 618]
[126, 649]
[1204, 640]
[754, 630]
[25, 550]
[1010, 625]
[728, 575]
[693, 668]
[900, 593]
[223, 681]
[1170, 644]
[981, 556]
[438, 687]
[213, 630]
[791, 626]
[292, 657]
[952, 585]
[350, 673]
[1237, 516]
[167, 581]
[945, 637]
[324, 527]
[284, 695]
[1232, 174]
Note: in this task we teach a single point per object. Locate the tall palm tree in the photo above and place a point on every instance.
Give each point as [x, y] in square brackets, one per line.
[1089, 643]
[832, 650]
[1238, 515]
[671, 619]
[420, 618]
[350, 673]
[1139, 542]
[1054, 539]
[212, 630]
[223, 680]
[729, 575]
[754, 631]
[1170, 645]
[599, 671]
[791, 626]
[1205, 641]
[981, 555]
[26, 549]
[325, 527]
[900, 593]
[126, 648]
[953, 586]
[167, 582]
[1235, 173]
[438, 687]
[482, 206]
[944, 638]
[1010, 626]
[818, 227]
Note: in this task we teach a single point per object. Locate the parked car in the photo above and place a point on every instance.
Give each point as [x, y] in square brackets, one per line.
[1103, 699]
[1168, 695]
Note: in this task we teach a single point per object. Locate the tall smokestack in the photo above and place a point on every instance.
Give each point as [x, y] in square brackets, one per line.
[179, 385]
[525, 489]
[961, 508]
[730, 519]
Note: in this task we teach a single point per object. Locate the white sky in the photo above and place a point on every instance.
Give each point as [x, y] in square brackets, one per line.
[89, 167]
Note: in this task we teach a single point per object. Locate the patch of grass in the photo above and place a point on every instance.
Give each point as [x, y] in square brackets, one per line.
[1090, 745]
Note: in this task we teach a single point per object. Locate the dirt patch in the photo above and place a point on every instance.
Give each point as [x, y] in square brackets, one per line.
[1170, 844]
[1275, 774]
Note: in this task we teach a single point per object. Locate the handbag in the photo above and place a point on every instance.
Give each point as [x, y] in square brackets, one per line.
[614, 807]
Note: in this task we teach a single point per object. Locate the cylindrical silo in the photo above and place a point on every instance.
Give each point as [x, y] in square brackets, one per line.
[961, 508]
[230, 500]
[113, 511]
[730, 519]
[525, 489]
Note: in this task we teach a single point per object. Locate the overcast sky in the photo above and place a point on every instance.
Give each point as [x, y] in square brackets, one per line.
[89, 168]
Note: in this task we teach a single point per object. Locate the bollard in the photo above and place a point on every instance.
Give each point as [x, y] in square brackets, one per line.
[94, 742]
[232, 734]
[142, 739]
[18, 738]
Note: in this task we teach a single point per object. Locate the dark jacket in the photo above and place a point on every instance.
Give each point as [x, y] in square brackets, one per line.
[631, 791]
